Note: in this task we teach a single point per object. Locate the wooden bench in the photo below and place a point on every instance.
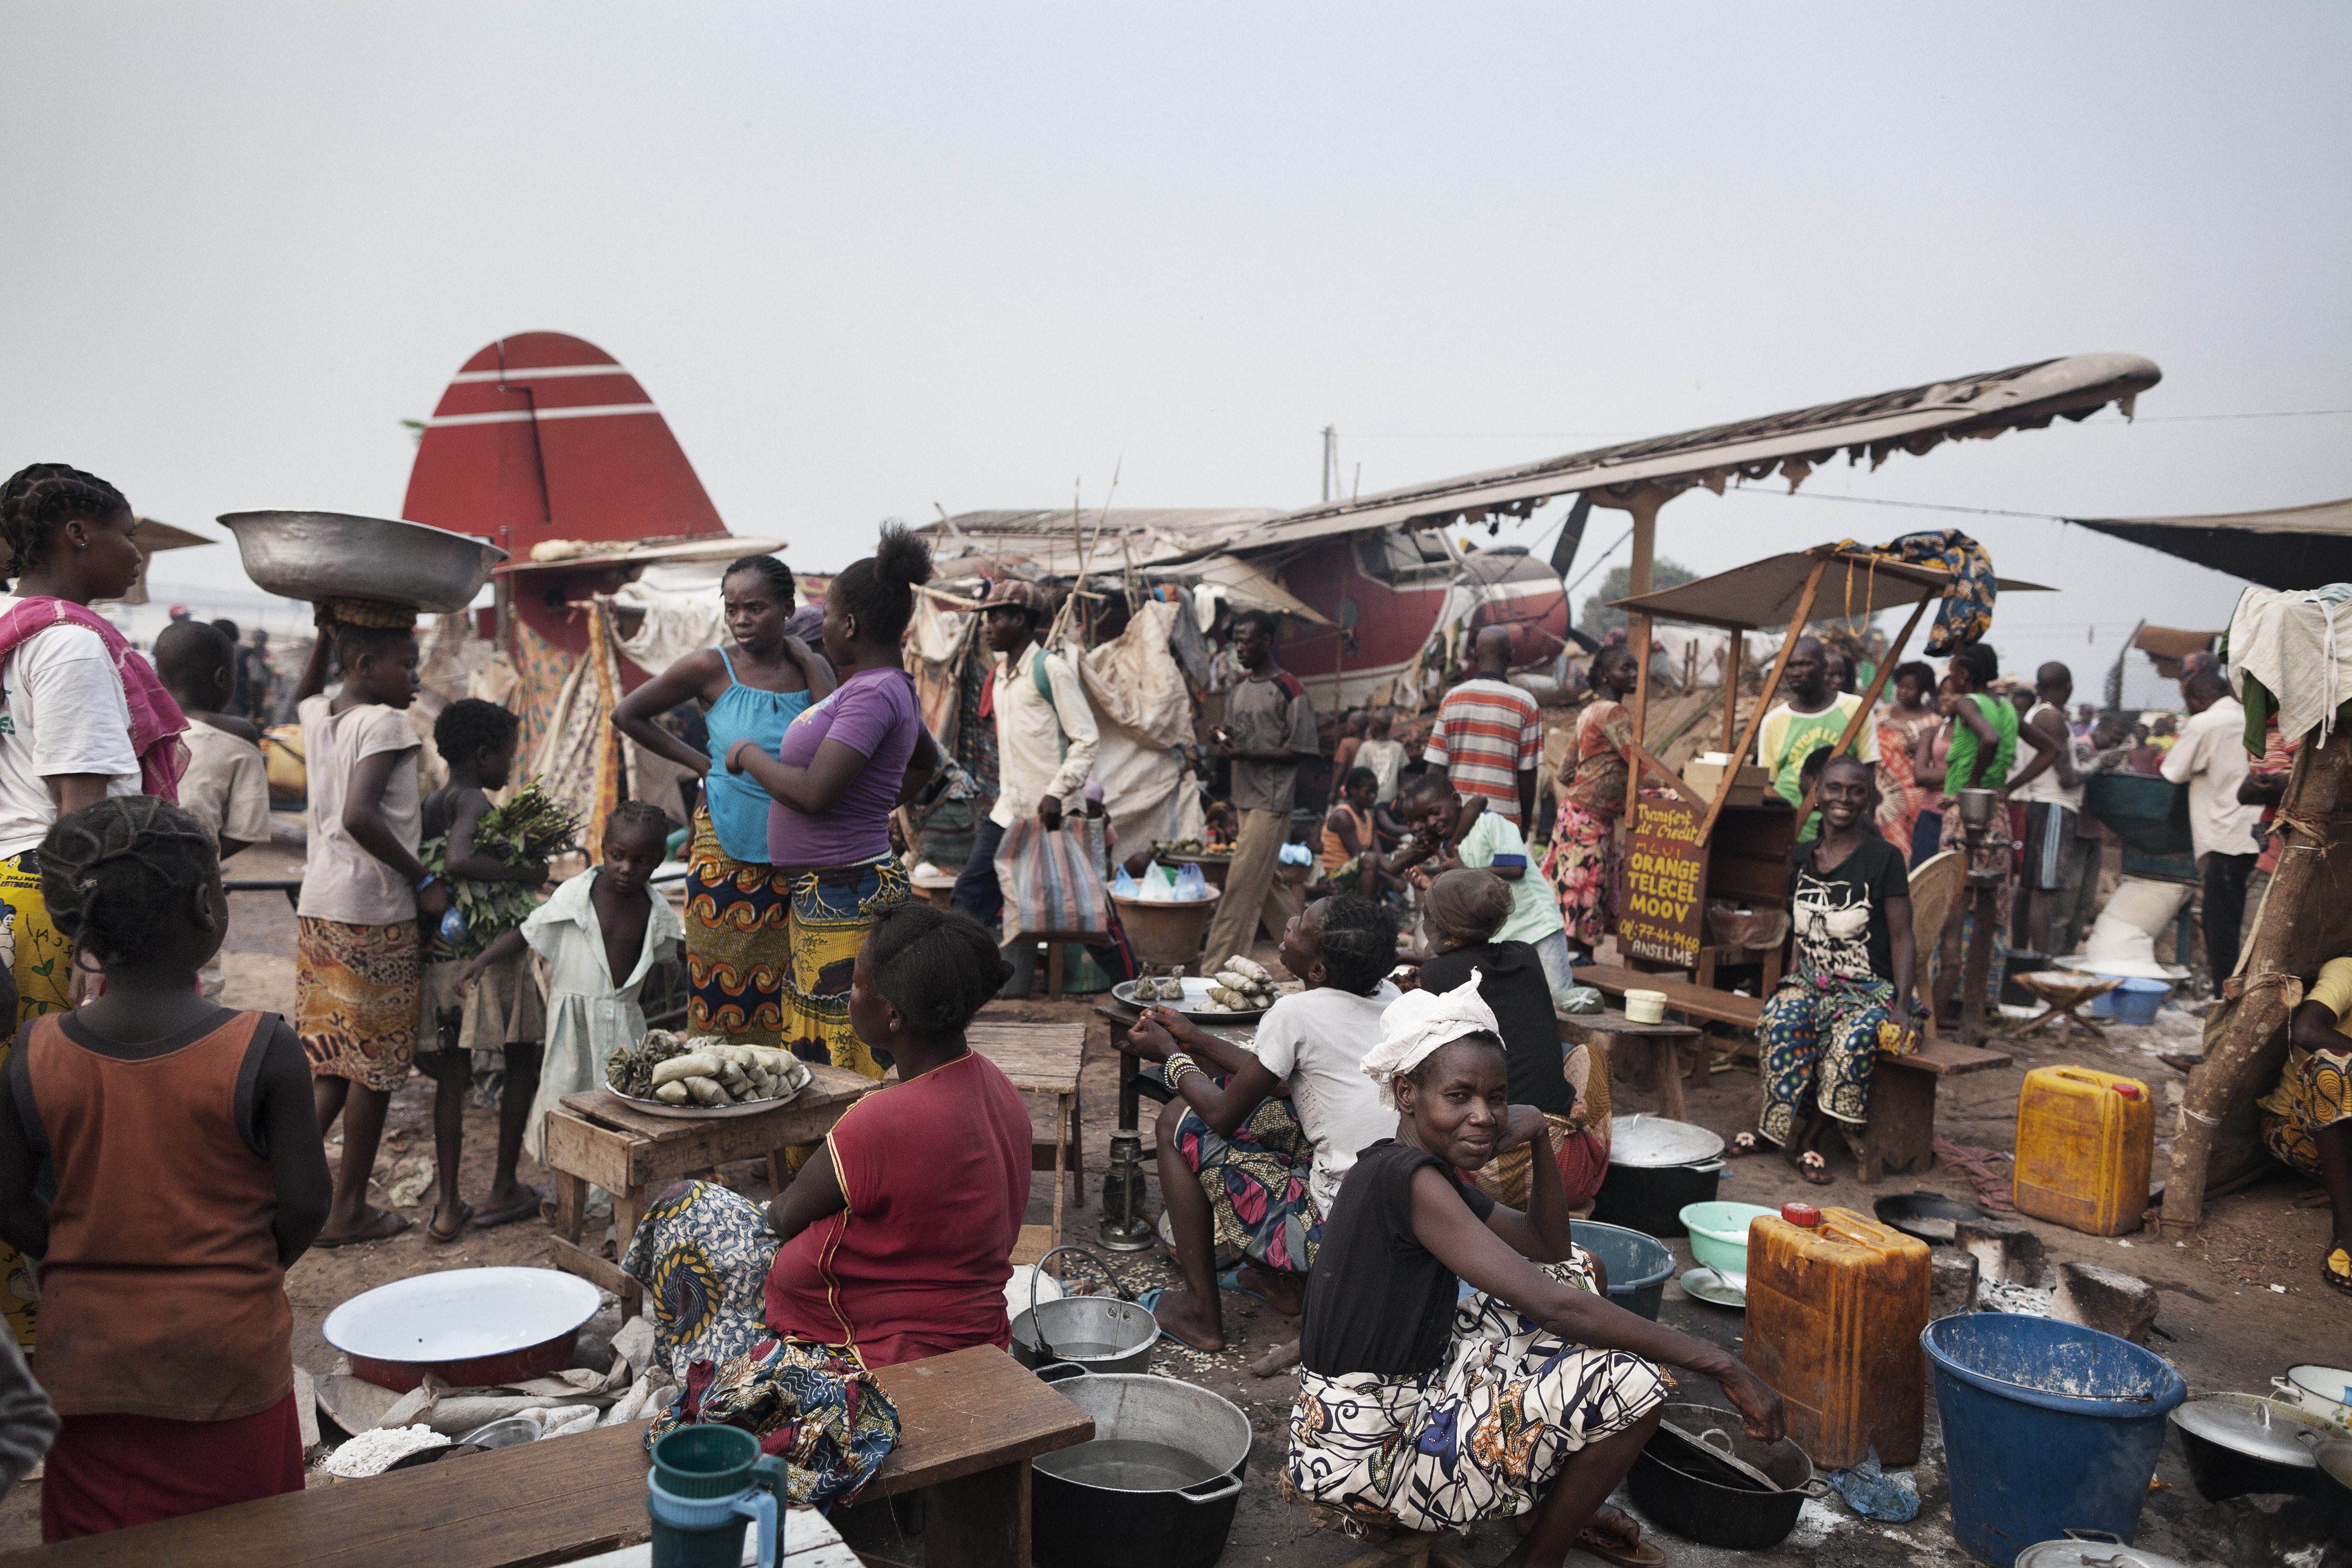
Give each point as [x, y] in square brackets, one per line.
[1901, 1133]
[1042, 1058]
[970, 1422]
[633, 1154]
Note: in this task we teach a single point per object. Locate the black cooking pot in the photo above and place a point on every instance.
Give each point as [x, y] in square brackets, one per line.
[1656, 1168]
[2241, 1443]
[2333, 1465]
[1156, 1488]
[1738, 1518]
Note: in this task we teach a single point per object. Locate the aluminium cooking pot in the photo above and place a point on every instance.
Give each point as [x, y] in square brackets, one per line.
[1657, 1168]
[1156, 1488]
[1100, 1334]
[1737, 1518]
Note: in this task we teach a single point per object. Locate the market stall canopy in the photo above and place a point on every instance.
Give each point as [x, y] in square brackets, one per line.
[1855, 583]
[1914, 419]
[1248, 585]
[974, 542]
[152, 538]
[2287, 547]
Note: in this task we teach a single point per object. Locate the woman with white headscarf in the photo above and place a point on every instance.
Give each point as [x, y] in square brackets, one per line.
[1533, 1392]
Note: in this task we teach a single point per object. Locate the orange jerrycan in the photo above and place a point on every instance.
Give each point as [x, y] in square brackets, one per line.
[1836, 1303]
[2083, 1142]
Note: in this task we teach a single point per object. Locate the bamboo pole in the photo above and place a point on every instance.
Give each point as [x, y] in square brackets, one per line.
[1764, 698]
[1869, 699]
[1637, 637]
[1734, 657]
[2267, 990]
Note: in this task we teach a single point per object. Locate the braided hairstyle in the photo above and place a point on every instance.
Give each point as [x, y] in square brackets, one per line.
[637, 815]
[779, 575]
[42, 498]
[936, 967]
[1358, 943]
[116, 874]
[879, 590]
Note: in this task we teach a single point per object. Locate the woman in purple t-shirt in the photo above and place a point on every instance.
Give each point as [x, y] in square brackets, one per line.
[843, 765]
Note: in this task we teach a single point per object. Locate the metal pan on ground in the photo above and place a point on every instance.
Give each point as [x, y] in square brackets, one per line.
[472, 1328]
[1716, 1288]
[1930, 1217]
[1196, 1004]
[701, 1112]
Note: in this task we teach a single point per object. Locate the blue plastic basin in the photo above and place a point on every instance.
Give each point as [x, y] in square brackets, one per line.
[1637, 1264]
[2133, 1001]
[2047, 1427]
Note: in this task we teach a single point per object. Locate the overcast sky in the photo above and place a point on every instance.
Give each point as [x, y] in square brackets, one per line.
[870, 258]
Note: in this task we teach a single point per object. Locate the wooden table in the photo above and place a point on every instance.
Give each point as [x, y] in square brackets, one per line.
[970, 1422]
[1042, 1058]
[1662, 1044]
[935, 886]
[810, 1542]
[633, 1154]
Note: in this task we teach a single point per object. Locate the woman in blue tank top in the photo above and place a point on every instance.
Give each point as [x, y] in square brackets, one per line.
[737, 905]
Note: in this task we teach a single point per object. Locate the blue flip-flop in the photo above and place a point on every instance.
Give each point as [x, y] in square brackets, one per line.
[1231, 1280]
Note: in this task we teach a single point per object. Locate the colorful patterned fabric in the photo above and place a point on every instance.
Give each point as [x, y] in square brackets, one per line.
[738, 942]
[1483, 1437]
[42, 961]
[1901, 795]
[156, 722]
[816, 1410]
[580, 762]
[832, 910]
[1597, 772]
[2315, 1091]
[1257, 1179]
[357, 995]
[542, 670]
[1582, 865]
[1819, 1036]
[1966, 614]
[703, 1257]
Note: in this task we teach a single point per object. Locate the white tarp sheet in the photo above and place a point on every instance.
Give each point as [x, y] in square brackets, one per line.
[1138, 693]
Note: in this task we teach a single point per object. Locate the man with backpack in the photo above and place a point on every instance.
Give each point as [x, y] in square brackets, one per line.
[1046, 740]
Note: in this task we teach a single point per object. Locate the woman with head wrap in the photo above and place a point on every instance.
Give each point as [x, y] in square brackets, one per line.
[1532, 1394]
[1463, 910]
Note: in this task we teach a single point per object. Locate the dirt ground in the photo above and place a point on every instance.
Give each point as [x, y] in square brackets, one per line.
[2239, 1301]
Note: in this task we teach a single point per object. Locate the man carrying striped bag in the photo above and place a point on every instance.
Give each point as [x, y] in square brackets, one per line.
[1489, 734]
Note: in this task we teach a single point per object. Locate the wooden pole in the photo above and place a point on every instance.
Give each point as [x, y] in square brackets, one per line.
[1764, 698]
[1637, 637]
[1733, 658]
[1869, 700]
[1643, 504]
[2265, 991]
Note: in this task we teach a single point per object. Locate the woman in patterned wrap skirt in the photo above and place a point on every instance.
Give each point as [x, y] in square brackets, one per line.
[1533, 1393]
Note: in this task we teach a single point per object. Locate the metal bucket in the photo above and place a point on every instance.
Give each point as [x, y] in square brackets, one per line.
[1156, 1488]
[1097, 1333]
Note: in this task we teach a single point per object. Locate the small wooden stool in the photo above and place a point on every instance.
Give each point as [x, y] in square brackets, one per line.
[1661, 1043]
[633, 1155]
[2061, 991]
[936, 886]
[1042, 1058]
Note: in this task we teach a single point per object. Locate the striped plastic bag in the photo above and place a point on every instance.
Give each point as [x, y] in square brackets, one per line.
[1053, 880]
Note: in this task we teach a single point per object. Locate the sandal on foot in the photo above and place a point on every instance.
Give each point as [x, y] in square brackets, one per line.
[1743, 1144]
[1231, 1280]
[434, 1233]
[1641, 1554]
[1814, 1168]
[1149, 1301]
[524, 1210]
[375, 1230]
[2337, 1269]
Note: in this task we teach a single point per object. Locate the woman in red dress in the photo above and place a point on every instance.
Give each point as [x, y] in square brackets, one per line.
[1584, 861]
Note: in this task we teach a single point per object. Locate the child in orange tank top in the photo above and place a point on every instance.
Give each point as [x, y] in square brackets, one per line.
[166, 1334]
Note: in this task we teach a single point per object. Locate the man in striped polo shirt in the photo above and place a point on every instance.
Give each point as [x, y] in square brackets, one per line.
[1489, 734]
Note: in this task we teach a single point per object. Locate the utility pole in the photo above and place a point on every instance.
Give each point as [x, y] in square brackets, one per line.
[1330, 461]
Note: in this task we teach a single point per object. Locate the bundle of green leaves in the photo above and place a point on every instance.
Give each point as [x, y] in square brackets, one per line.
[530, 828]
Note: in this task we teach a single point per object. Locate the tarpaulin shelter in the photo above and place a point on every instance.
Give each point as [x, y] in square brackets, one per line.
[2286, 547]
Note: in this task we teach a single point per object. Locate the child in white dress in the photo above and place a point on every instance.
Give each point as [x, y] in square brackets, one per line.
[601, 933]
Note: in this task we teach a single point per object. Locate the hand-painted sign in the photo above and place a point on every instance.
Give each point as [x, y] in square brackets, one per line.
[1665, 882]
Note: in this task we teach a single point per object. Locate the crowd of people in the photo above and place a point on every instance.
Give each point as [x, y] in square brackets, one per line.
[1401, 1168]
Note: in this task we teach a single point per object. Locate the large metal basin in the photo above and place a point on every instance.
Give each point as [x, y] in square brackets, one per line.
[1156, 1488]
[316, 555]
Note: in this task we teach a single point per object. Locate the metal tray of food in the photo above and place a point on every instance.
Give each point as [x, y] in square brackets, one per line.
[1196, 1006]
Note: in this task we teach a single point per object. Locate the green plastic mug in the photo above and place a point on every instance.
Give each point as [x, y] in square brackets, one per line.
[714, 1462]
[707, 1483]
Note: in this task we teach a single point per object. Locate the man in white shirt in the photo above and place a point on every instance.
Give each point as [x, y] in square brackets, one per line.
[2210, 759]
[1269, 1168]
[1045, 741]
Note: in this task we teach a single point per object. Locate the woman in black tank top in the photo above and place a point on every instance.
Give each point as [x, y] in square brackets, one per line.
[1533, 1392]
